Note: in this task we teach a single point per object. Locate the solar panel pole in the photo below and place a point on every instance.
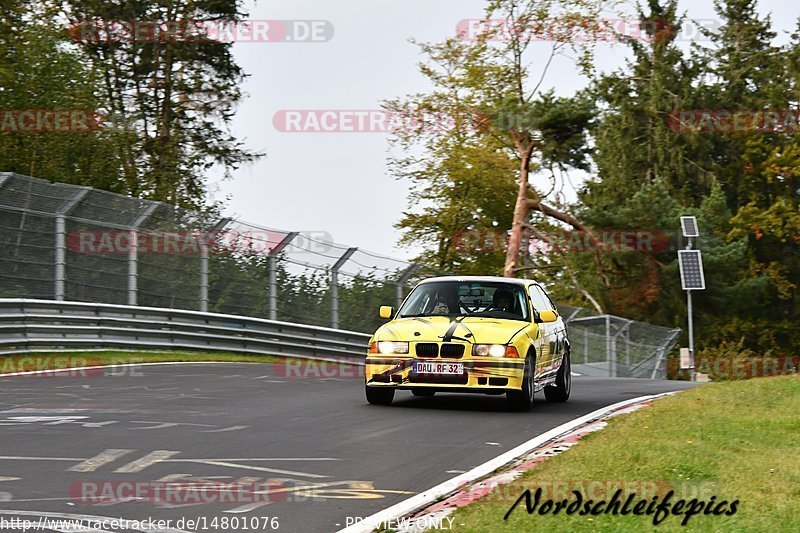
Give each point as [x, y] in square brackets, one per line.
[612, 363]
[691, 334]
[691, 322]
[691, 267]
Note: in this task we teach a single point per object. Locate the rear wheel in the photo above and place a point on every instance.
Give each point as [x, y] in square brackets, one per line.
[559, 391]
[379, 395]
[522, 400]
[423, 393]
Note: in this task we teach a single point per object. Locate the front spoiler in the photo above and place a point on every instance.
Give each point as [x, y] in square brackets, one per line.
[445, 388]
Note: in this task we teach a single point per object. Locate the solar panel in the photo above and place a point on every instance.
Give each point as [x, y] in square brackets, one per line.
[691, 265]
[689, 226]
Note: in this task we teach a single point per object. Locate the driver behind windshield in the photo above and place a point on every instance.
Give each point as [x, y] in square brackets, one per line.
[503, 300]
[447, 301]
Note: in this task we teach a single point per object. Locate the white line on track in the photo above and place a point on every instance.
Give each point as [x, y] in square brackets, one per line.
[23, 458]
[93, 463]
[156, 456]
[256, 468]
[240, 460]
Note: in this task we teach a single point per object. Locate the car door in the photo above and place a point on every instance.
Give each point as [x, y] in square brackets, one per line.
[559, 331]
[546, 350]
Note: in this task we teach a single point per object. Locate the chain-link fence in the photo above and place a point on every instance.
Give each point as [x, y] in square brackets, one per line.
[66, 242]
[608, 345]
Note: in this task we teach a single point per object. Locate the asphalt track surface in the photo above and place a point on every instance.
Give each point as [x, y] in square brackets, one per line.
[330, 455]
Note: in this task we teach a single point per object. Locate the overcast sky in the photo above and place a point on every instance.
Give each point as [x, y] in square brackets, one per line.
[338, 182]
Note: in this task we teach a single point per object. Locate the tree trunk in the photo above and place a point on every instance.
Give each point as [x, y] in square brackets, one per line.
[521, 210]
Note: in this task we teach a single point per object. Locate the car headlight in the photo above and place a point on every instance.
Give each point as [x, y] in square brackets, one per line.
[490, 350]
[392, 347]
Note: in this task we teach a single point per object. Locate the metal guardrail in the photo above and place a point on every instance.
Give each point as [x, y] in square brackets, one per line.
[49, 325]
[37, 325]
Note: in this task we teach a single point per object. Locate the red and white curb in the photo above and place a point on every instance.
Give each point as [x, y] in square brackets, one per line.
[432, 507]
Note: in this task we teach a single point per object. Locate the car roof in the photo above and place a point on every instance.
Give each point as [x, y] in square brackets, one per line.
[480, 279]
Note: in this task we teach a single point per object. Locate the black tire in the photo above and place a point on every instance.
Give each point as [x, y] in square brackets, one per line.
[559, 392]
[423, 393]
[379, 395]
[522, 400]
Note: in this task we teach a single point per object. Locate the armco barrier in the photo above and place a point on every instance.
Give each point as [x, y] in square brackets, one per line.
[37, 325]
[602, 345]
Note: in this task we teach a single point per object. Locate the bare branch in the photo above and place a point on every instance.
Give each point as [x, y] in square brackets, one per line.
[575, 223]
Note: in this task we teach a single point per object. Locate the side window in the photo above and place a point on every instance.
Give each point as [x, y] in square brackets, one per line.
[540, 302]
[550, 304]
[540, 299]
[522, 303]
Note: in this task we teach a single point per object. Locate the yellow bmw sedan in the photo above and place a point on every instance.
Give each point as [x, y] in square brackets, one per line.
[487, 335]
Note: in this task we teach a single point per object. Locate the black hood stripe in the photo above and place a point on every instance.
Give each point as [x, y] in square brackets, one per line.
[454, 323]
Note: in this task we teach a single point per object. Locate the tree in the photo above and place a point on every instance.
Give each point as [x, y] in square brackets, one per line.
[644, 170]
[758, 168]
[39, 74]
[503, 122]
[170, 98]
[740, 184]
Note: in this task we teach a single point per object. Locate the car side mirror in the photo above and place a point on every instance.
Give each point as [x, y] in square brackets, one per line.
[547, 316]
[386, 311]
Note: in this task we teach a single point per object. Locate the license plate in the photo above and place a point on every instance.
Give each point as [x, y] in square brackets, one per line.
[438, 368]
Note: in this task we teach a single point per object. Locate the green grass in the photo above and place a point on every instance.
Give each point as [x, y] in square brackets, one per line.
[53, 361]
[736, 441]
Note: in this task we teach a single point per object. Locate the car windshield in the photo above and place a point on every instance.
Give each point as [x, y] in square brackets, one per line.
[467, 298]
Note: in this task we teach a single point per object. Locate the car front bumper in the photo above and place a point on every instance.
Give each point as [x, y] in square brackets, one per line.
[480, 374]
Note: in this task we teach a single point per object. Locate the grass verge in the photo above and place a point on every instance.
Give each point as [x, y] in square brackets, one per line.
[731, 441]
[55, 361]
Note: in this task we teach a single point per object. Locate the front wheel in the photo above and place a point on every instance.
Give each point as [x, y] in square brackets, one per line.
[379, 395]
[559, 391]
[522, 400]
